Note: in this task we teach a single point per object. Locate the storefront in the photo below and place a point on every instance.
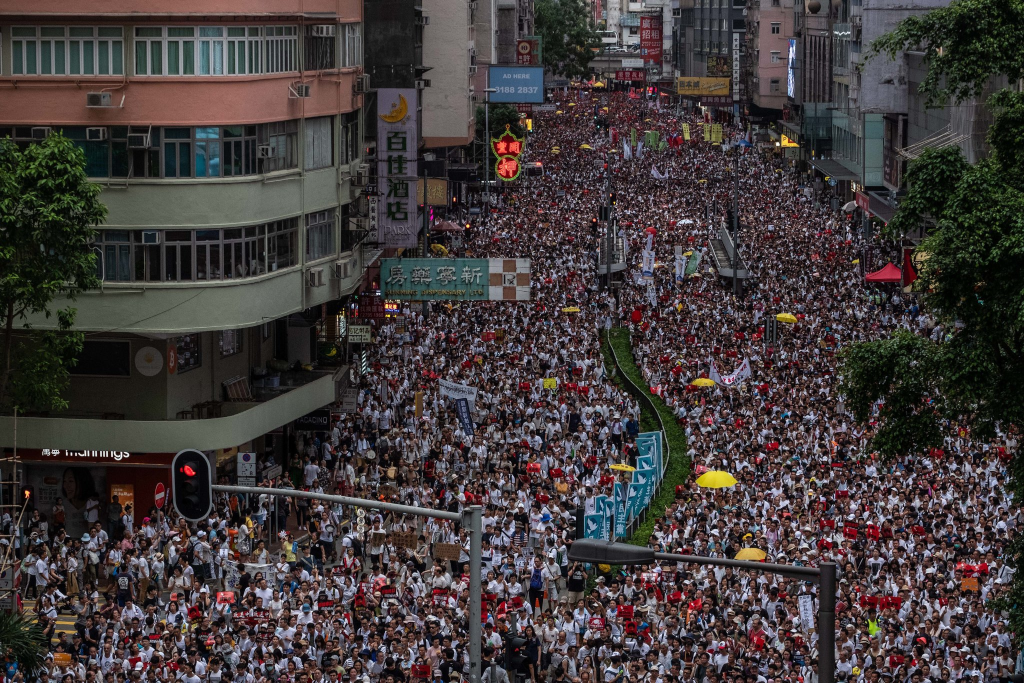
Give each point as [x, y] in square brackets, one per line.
[76, 477]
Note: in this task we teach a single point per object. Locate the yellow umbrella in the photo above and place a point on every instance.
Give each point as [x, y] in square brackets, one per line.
[439, 249]
[585, 146]
[786, 318]
[702, 180]
[622, 467]
[559, 111]
[688, 253]
[599, 84]
[572, 104]
[751, 554]
[604, 108]
[571, 309]
[703, 382]
[716, 480]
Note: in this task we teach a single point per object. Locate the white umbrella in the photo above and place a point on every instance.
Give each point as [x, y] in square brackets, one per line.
[849, 206]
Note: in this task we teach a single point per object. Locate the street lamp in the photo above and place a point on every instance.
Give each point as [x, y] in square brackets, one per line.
[608, 552]
[487, 153]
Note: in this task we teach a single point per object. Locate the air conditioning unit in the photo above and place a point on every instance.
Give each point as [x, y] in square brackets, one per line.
[344, 269]
[423, 20]
[324, 31]
[359, 223]
[138, 141]
[362, 175]
[472, 70]
[316, 277]
[264, 151]
[95, 134]
[422, 83]
[472, 4]
[354, 191]
[151, 237]
[298, 90]
[40, 132]
[98, 99]
[362, 83]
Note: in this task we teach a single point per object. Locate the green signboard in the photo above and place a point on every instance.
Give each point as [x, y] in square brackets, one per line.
[424, 279]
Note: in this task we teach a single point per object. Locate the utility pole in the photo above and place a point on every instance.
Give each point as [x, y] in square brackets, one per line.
[487, 157]
[610, 222]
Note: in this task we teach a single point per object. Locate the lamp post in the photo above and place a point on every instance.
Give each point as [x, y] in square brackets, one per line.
[487, 152]
[736, 287]
[609, 552]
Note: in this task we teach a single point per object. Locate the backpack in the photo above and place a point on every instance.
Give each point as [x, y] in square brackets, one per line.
[536, 580]
[357, 545]
[190, 553]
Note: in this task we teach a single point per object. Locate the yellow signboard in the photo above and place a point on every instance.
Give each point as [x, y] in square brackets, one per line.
[550, 383]
[786, 142]
[716, 133]
[437, 191]
[686, 132]
[702, 86]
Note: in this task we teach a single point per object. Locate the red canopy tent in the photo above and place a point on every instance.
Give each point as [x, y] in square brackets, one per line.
[890, 273]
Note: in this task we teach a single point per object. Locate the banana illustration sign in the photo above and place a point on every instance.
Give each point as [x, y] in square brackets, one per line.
[397, 167]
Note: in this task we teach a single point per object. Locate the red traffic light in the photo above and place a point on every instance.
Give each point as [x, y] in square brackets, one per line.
[189, 472]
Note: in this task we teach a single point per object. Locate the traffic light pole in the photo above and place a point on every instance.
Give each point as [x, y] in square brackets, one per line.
[471, 518]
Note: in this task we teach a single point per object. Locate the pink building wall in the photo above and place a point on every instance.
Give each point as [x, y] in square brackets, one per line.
[62, 10]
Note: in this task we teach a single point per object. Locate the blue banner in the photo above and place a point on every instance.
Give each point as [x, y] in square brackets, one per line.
[593, 526]
[620, 509]
[462, 411]
[650, 478]
[516, 84]
[645, 462]
[636, 496]
[609, 517]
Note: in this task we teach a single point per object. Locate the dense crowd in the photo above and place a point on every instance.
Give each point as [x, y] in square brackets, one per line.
[371, 598]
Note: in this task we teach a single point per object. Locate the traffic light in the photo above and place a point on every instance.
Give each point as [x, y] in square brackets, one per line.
[593, 226]
[515, 655]
[192, 485]
[612, 199]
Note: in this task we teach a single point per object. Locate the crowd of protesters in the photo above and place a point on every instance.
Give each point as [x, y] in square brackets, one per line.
[334, 594]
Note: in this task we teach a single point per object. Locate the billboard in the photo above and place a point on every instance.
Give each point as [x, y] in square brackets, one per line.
[528, 51]
[719, 66]
[397, 168]
[650, 39]
[465, 279]
[516, 84]
[791, 69]
[702, 86]
[631, 75]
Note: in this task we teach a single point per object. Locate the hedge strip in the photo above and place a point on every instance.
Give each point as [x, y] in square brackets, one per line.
[677, 469]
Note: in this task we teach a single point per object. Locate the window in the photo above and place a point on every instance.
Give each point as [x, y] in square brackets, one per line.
[776, 57]
[207, 152]
[230, 342]
[349, 144]
[319, 235]
[776, 28]
[177, 152]
[283, 138]
[188, 352]
[67, 51]
[215, 50]
[281, 244]
[320, 50]
[351, 44]
[319, 143]
[239, 145]
[774, 87]
[113, 251]
[104, 358]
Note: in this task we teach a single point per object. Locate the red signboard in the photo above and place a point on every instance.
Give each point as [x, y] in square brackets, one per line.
[527, 52]
[371, 307]
[650, 39]
[631, 75]
[159, 495]
[524, 109]
[507, 168]
[863, 201]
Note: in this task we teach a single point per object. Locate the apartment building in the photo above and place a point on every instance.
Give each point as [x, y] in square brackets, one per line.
[227, 139]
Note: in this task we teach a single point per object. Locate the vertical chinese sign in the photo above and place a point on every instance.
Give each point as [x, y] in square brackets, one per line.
[507, 148]
[650, 39]
[397, 167]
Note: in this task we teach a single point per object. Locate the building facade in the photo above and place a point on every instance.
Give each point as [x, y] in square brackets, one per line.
[228, 143]
[769, 30]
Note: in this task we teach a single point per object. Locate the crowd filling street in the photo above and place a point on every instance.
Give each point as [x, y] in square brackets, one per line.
[920, 542]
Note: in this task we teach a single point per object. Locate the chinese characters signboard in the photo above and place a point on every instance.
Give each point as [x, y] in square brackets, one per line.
[650, 39]
[507, 148]
[397, 168]
[371, 307]
[456, 279]
[528, 51]
[630, 75]
[702, 86]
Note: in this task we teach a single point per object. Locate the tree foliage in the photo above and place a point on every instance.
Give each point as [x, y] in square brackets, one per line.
[500, 116]
[569, 36]
[969, 374]
[22, 639]
[48, 214]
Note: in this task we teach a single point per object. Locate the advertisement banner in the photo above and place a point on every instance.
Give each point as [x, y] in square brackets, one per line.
[702, 86]
[528, 51]
[650, 39]
[456, 279]
[397, 166]
[791, 69]
[397, 169]
[631, 75]
[516, 84]
[719, 66]
[620, 509]
[79, 488]
[736, 66]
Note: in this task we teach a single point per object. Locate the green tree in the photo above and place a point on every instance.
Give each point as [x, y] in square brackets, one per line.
[969, 374]
[48, 214]
[22, 639]
[569, 36]
[500, 116]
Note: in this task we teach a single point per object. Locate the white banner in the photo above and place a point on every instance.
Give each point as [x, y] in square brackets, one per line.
[737, 377]
[233, 572]
[647, 269]
[455, 390]
[806, 603]
[658, 175]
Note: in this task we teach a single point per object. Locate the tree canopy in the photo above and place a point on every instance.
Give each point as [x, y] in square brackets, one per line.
[966, 378]
[48, 214]
[569, 36]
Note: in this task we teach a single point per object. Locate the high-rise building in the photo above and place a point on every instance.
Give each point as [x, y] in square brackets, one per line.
[769, 30]
[227, 140]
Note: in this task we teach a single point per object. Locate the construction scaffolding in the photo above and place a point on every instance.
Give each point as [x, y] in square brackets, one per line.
[13, 504]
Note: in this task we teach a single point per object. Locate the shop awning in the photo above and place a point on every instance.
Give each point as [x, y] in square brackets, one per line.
[890, 273]
[833, 169]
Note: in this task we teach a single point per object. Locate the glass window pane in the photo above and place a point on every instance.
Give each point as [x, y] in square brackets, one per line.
[118, 60]
[210, 31]
[204, 58]
[218, 57]
[76, 58]
[60, 57]
[18, 65]
[200, 159]
[88, 57]
[110, 257]
[104, 57]
[148, 32]
[24, 31]
[111, 31]
[185, 262]
[181, 31]
[53, 31]
[124, 262]
[156, 62]
[237, 259]
[232, 67]
[170, 262]
[189, 58]
[215, 270]
[185, 160]
[173, 58]
[153, 263]
[201, 266]
[45, 57]
[141, 63]
[207, 235]
[170, 160]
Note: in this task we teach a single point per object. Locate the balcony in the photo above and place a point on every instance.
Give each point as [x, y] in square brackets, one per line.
[241, 422]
